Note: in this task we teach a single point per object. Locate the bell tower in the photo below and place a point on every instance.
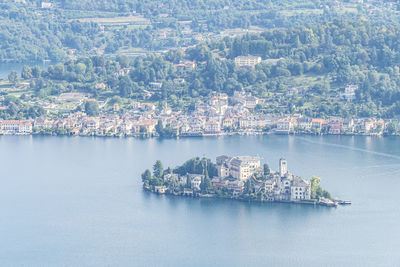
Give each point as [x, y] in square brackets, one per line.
[283, 167]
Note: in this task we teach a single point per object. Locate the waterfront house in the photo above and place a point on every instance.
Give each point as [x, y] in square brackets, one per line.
[147, 125]
[304, 124]
[196, 124]
[195, 180]
[212, 127]
[236, 186]
[10, 126]
[25, 127]
[161, 189]
[300, 189]
[284, 126]
[219, 183]
[335, 126]
[318, 123]
[43, 123]
[348, 125]
[227, 122]
[92, 123]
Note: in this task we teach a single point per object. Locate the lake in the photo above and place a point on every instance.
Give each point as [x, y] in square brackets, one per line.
[78, 201]
[6, 68]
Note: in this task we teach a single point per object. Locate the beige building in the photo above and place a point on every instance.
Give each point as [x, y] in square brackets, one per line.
[240, 167]
[247, 61]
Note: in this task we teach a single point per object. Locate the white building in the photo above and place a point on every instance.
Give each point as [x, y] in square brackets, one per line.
[247, 61]
[195, 180]
[350, 92]
[300, 189]
[240, 167]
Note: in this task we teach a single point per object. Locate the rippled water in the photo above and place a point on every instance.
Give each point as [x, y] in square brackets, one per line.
[78, 202]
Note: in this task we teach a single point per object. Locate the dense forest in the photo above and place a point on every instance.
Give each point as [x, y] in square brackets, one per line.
[321, 60]
[32, 32]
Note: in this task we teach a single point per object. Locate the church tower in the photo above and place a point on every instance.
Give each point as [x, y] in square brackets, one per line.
[282, 167]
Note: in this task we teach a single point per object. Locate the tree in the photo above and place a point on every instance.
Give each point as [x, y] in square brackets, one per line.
[315, 181]
[188, 181]
[249, 187]
[26, 72]
[160, 128]
[158, 169]
[316, 190]
[392, 128]
[92, 108]
[197, 166]
[125, 86]
[13, 77]
[146, 176]
[267, 171]
[123, 61]
[206, 185]
[36, 71]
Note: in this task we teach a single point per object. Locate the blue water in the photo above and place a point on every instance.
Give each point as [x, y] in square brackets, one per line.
[67, 201]
[6, 68]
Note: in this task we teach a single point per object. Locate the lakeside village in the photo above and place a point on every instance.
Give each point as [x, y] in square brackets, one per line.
[219, 115]
[240, 177]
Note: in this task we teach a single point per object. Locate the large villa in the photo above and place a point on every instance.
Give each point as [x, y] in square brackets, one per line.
[233, 172]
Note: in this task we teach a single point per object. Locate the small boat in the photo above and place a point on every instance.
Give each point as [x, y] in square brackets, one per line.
[344, 202]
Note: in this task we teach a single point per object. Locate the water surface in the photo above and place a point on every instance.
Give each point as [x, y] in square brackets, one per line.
[6, 68]
[67, 201]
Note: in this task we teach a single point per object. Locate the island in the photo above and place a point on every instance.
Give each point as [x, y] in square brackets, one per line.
[239, 177]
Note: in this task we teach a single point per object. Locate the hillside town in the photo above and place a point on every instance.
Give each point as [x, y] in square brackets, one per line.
[238, 177]
[219, 115]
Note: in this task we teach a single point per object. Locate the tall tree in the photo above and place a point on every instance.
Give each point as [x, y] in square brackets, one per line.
[158, 169]
[92, 108]
[146, 176]
[13, 77]
[267, 171]
[26, 72]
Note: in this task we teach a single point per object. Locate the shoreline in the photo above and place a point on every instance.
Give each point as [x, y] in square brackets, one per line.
[196, 135]
[330, 203]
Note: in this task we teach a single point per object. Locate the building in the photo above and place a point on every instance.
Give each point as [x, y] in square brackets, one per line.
[285, 126]
[283, 167]
[161, 189]
[10, 125]
[240, 167]
[335, 126]
[304, 123]
[212, 127]
[318, 124]
[16, 126]
[25, 127]
[300, 189]
[349, 92]
[46, 5]
[116, 107]
[247, 61]
[195, 180]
